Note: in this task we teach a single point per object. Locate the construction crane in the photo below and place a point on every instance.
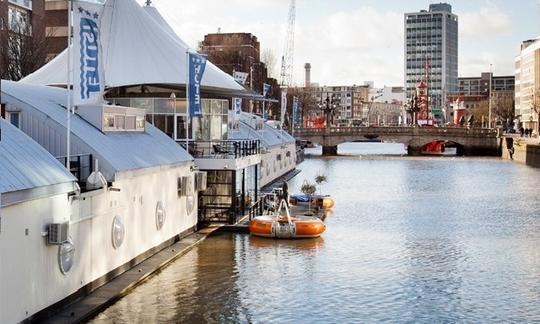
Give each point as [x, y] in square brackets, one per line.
[287, 60]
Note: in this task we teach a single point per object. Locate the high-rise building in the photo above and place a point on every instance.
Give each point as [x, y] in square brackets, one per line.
[527, 65]
[431, 55]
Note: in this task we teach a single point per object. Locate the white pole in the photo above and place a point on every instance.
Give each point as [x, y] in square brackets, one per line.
[489, 102]
[187, 101]
[68, 87]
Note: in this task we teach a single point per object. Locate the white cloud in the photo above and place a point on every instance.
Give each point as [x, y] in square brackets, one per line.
[488, 21]
[351, 47]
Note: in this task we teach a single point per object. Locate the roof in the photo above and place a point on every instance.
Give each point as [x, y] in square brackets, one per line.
[269, 136]
[138, 48]
[25, 165]
[120, 151]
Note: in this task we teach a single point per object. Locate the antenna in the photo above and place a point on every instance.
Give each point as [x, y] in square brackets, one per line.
[287, 60]
[148, 2]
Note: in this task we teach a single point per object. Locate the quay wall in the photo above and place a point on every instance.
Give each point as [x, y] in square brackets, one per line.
[31, 277]
[526, 153]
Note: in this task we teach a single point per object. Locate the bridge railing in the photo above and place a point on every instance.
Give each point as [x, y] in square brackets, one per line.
[389, 130]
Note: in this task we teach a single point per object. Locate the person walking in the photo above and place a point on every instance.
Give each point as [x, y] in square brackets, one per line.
[285, 192]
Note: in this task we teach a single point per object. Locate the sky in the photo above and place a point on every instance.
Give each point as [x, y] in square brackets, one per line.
[351, 41]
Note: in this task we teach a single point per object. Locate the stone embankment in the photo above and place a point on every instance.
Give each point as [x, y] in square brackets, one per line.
[522, 150]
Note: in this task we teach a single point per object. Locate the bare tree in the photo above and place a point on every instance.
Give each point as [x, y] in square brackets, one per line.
[535, 108]
[306, 100]
[269, 58]
[24, 52]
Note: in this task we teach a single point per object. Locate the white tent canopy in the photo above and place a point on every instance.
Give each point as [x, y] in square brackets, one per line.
[138, 48]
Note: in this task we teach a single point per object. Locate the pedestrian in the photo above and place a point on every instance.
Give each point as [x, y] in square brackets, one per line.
[521, 131]
[285, 192]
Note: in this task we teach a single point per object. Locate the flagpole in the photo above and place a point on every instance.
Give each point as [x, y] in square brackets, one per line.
[188, 115]
[68, 86]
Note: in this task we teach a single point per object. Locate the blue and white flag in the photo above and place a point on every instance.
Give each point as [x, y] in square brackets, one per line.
[296, 112]
[237, 105]
[88, 76]
[283, 105]
[240, 77]
[196, 65]
[266, 89]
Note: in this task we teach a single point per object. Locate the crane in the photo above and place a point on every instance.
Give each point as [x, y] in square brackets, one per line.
[287, 60]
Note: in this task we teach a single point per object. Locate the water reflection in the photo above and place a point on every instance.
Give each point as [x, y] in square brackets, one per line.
[410, 240]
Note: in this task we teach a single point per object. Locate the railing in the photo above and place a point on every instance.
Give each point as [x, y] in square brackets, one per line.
[223, 149]
[80, 166]
[389, 130]
[257, 208]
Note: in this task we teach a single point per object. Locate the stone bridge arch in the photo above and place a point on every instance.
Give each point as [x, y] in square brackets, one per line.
[467, 141]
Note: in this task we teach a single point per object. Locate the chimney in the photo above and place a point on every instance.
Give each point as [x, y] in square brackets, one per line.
[307, 66]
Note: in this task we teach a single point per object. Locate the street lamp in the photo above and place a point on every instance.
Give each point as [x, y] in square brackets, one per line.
[328, 108]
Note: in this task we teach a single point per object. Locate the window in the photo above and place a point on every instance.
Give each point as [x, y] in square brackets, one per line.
[14, 119]
[18, 20]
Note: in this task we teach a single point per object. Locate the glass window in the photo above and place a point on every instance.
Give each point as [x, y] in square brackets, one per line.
[14, 119]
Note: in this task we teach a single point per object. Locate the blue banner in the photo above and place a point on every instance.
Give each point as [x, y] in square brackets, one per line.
[266, 88]
[297, 115]
[237, 105]
[196, 65]
[88, 85]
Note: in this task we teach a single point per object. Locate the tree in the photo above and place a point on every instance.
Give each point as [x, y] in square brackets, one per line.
[25, 50]
[269, 58]
[306, 100]
[535, 108]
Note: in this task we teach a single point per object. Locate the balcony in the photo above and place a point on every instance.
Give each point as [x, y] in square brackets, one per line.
[223, 149]
[224, 154]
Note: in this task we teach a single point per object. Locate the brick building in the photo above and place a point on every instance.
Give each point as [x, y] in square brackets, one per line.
[475, 94]
[238, 52]
[19, 19]
[56, 21]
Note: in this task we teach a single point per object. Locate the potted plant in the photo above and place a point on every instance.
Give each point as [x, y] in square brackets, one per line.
[319, 180]
[308, 189]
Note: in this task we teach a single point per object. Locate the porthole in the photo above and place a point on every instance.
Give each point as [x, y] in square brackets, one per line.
[118, 232]
[66, 253]
[160, 215]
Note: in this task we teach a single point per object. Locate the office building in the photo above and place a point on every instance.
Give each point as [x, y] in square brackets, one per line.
[431, 55]
[527, 97]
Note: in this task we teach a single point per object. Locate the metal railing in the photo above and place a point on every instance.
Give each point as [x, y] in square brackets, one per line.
[80, 166]
[222, 149]
[386, 130]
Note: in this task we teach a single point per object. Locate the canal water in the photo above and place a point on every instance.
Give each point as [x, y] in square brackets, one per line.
[425, 240]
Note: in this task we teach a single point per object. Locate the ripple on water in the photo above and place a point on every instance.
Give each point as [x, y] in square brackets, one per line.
[410, 240]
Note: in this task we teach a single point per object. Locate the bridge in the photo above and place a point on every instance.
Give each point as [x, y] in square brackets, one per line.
[468, 141]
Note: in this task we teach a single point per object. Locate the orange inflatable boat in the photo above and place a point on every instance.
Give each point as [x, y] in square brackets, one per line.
[285, 226]
[324, 202]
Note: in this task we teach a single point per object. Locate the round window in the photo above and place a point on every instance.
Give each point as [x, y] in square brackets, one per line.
[66, 252]
[160, 215]
[118, 232]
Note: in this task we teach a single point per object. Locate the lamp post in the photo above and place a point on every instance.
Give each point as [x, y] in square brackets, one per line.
[328, 108]
[489, 93]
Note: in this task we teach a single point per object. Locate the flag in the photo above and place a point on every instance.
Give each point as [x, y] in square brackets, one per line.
[240, 77]
[283, 105]
[196, 66]
[296, 112]
[237, 105]
[88, 76]
[266, 89]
